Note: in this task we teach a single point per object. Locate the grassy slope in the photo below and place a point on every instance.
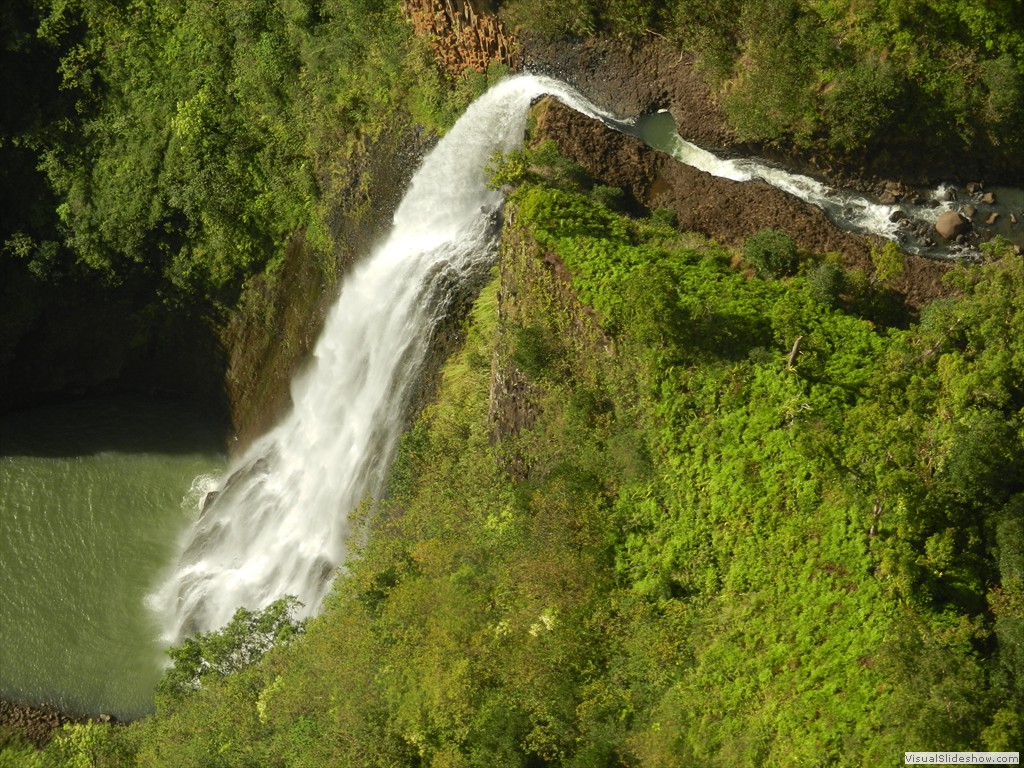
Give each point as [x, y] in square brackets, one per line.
[655, 543]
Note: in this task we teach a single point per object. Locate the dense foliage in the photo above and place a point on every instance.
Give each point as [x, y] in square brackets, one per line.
[664, 540]
[664, 511]
[208, 129]
[157, 155]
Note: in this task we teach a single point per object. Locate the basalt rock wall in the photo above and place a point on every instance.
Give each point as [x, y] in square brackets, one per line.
[267, 343]
[462, 36]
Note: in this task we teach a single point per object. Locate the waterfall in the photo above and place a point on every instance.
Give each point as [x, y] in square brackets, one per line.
[277, 523]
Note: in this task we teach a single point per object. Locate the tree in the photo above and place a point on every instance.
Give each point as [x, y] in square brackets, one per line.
[772, 252]
[243, 642]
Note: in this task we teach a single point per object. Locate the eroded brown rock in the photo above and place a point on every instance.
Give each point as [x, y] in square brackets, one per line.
[35, 725]
[951, 224]
[631, 79]
[461, 36]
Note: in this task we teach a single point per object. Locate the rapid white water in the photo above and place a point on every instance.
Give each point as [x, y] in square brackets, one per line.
[278, 522]
[848, 210]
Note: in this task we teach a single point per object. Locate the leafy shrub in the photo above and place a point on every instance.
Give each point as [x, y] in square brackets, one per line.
[240, 644]
[665, 217]
[542, 162]
[534, 351]
[889, 263]
[825, 282]
[862, 102]
[771, 252]
[609, 197]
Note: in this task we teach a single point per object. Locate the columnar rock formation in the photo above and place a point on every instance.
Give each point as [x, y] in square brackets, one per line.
[462, 38]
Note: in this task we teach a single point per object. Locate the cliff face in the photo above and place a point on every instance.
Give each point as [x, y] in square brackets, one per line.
[630, 79]
[462, 37]
[271, 337]
[81, 337]
[77, 336]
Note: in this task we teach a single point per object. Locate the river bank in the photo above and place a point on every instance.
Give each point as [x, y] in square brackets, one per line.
[22, 725]
[640, 76]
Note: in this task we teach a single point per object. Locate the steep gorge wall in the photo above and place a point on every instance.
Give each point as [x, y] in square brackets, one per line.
[271, 338]
[82, 338]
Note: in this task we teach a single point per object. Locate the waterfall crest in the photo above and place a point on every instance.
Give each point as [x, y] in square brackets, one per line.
[277, 523]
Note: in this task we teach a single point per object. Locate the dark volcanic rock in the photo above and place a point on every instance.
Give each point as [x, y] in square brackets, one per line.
[634, 77]
[33, 725]
[631, 79]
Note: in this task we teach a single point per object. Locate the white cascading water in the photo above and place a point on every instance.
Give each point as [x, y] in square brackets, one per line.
[277, 523]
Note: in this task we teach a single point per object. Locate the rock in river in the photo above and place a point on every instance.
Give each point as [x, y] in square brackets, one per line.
[951, 224]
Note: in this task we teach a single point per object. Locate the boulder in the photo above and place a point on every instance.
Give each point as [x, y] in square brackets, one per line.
[992, 218]
[988, 198]
[897, 215]
[892, 191]
[951, 224]
[969, 211]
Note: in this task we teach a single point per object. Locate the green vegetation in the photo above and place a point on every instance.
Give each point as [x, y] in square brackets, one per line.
[676, 537]
[208, 132]
[162, 153]
[159, 155]
[772, 252]
[240, 644]
[667, 544]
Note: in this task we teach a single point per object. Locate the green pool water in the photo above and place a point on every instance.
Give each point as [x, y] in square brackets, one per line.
[94, 497]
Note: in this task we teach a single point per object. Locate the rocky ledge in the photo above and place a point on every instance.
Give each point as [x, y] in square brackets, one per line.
[634, 77]
[36, 726]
